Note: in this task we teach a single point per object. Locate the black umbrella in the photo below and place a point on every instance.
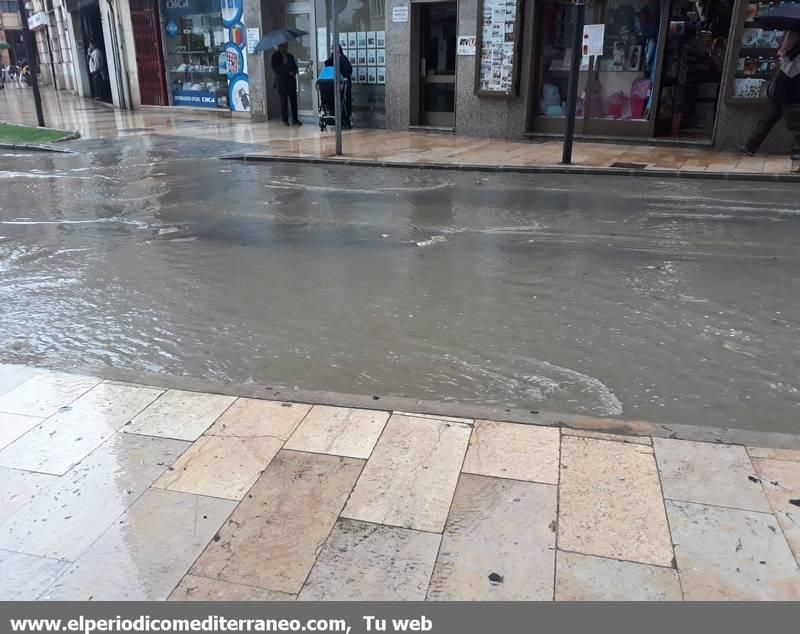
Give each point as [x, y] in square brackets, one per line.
[281, 36]
[783, 18]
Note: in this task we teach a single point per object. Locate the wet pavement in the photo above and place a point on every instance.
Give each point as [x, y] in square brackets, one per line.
[667, 301]
[115, 491]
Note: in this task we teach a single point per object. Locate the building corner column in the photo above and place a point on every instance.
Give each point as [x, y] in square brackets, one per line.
[256, 75]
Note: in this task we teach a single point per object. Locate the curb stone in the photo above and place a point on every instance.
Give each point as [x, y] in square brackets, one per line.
[525, 416]
[526, 169]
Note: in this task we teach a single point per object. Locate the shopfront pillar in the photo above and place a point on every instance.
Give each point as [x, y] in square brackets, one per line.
[255, 64]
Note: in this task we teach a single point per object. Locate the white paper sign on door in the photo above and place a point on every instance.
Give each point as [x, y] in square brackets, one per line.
[593, 36]
[400, 14]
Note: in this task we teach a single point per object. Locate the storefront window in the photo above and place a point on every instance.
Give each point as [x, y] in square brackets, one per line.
[197, 61]
[362, 35]
[616, 85]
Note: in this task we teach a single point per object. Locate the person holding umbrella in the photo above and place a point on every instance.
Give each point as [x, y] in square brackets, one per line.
[791, 40]
[784, 93]
[285, 68]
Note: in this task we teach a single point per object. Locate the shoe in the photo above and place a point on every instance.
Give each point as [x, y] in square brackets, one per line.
[296, 122]
[745, 150]
[286, 123]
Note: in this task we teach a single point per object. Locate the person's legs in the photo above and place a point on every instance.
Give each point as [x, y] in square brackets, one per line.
[283, 98]
[763, 128]
[791, 116]
[293, 102]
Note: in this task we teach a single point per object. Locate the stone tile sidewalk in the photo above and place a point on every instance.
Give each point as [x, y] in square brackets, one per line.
[373, 147]
[121, 491]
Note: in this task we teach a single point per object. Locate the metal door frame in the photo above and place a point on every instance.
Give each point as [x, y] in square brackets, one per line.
[299, 8]
[424, 118]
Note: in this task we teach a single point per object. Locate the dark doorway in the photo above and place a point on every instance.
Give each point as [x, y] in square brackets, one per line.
[437, 64]
[92, 31]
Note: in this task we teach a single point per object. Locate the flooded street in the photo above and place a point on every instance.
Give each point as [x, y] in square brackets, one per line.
[669, 301]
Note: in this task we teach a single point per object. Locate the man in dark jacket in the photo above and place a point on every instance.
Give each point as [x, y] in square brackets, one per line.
[285, 68]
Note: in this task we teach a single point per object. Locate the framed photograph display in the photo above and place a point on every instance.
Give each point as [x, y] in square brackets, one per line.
[497, 51]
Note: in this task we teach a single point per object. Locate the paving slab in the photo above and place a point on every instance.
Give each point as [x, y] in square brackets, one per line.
[774, 454]
[599, 435]
[781, 482]
[272, 539]
[194, 588]
[709, 473]
[19, 488]
[221, 466]
[731, 555]
[370, 562]
[13, 375]
[60, 442]
[144, 554]
[180, 415]
[75, 510]
[411, 476]
[255, 417]
[587, 578]
[13, 426]
[45, 393]
[499, 542]
[520, 452]
[610, 502]
[26, 577]
[340, 431]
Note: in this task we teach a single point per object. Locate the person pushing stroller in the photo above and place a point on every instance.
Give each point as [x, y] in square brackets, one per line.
[327, 102]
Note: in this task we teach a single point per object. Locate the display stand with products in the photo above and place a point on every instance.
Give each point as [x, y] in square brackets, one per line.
[198, 63]
[498, 39]
[757, 58]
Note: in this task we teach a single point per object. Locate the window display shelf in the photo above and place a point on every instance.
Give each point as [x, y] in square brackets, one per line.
[178, 71]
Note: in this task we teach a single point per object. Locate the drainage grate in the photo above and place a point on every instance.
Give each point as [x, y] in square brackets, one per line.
[630, 166]
[136, 129]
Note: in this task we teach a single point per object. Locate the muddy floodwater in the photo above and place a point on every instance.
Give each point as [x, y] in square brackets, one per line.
[669, 301]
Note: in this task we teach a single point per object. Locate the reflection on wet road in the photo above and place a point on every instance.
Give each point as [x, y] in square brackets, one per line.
[666, 301]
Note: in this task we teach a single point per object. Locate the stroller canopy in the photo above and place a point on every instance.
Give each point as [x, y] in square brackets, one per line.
[327, 73]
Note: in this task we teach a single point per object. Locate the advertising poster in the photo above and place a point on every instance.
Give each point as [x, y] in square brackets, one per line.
[498, 22]
[236, 54]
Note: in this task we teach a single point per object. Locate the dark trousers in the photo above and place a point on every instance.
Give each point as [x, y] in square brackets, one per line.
[763, 127]
[288, 98]
[791, 115]
[98, 88]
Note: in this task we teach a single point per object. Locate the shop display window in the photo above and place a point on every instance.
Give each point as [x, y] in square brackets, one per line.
[616, 85]
[362, 36]
[197, 61]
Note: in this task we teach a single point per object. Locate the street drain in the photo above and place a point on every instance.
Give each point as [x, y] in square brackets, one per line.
[630, 166]
[136, 129]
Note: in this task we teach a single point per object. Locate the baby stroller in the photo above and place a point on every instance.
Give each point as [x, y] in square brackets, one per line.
[327, 102]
